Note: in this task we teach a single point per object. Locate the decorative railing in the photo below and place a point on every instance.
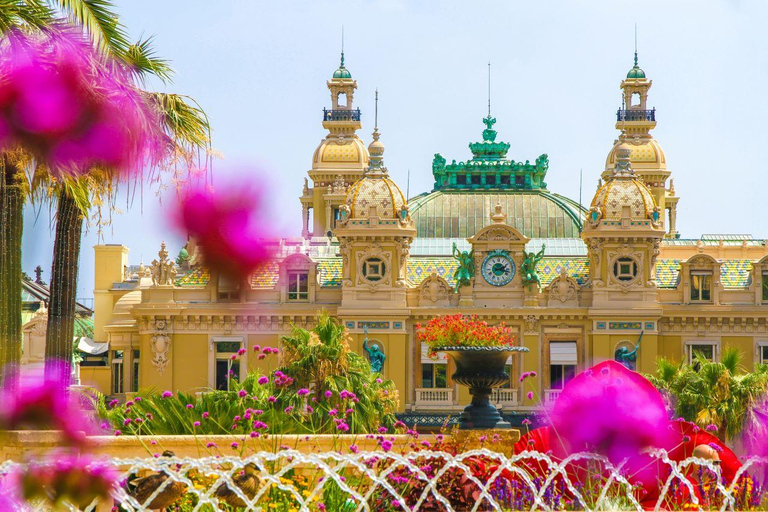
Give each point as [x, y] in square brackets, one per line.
[504, 397]
[550, 395]
[432, 397]
[341, 115]
[635, 115]
[430, 479]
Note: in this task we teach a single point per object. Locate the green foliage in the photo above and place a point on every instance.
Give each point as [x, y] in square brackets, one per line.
[712, 393]
[320, 386]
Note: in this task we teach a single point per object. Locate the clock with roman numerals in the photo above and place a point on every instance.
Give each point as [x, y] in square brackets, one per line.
[498, 269]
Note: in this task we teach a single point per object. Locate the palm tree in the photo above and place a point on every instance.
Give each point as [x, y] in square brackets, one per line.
[184, 123]
[706, 392]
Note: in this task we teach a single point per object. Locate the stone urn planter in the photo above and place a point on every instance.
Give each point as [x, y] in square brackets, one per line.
[481, 369]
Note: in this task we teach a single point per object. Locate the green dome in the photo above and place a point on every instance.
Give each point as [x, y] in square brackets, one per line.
[636, 72]
[342, 72]
[461, 214]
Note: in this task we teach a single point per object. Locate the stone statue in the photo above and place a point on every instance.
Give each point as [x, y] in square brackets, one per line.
[627, 358]
[375, 356]
[466, 270]
[528, 268]
[438, 163]
[163, 271]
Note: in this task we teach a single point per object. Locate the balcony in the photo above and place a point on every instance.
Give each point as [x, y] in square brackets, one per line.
[551, 396]
[341, 115]
[635, 115]
[504, 397]
[434, 398]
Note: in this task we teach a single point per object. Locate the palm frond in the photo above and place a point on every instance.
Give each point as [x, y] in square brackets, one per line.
[185, 122]
[141, 59]
[99, 19]
[21, 14]
[731, 359]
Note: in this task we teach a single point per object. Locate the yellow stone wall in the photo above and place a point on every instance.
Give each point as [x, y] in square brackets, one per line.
[97, 377]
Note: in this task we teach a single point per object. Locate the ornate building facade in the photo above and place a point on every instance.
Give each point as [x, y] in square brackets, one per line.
[581, 284]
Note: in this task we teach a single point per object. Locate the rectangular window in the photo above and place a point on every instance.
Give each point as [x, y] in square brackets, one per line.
[505, 180]
[520, 181]
[228, 289]
[763, 354]
[707, 350]
[476, 179]
[765, 286]
[434, 375]
[336, 217]
[136, 357]
[701, 286]
[461, 179]
[563, 358]
[298, 286]
[226, 368]
[490, 179]
[117, 371]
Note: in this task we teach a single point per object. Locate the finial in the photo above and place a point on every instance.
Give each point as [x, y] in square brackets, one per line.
[635, 44]
[342, 47]
[376, 111]
[489, 88]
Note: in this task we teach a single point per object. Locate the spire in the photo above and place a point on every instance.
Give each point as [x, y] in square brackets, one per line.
[376, 147]
[342, 46]
[489, 89]
[635, 45]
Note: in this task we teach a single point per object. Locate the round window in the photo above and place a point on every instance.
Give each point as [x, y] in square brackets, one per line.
[374, 269]
[625, 269]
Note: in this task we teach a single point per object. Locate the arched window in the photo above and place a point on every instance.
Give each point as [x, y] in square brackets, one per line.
[341, 100]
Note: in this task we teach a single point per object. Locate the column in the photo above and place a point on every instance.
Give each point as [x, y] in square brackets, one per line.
[304, 220]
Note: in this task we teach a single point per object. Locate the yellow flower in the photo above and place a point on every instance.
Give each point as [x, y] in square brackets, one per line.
[273, 505]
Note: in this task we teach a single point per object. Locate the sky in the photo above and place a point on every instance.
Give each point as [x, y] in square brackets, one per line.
[259, 69]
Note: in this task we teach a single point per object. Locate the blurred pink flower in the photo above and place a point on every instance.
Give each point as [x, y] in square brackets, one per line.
[78, 479]
[38, 401]
[62, 102]
[610, 410]
[228, 225]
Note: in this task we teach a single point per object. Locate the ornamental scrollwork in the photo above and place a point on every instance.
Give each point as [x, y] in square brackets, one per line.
[435, 288]
[160, 344]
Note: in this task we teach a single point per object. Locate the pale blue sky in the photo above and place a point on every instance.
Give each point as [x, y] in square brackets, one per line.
[259, 70]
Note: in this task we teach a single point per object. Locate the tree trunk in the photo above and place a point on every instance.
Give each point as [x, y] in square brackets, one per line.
[11, 228]
[61, 311]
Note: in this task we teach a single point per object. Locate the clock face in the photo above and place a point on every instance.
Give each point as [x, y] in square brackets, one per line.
[498, 269]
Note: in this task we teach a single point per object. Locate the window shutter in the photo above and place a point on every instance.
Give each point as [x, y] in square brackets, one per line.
[563, 352]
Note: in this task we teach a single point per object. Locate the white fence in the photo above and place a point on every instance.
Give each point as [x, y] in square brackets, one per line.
[434, 397]
[365, 481]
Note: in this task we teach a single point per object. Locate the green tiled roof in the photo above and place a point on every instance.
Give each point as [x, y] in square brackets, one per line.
[329, 270]
[735, 273]
[667, 273]
[535, 213]
[196, 277]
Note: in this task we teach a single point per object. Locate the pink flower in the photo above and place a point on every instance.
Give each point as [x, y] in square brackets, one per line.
[118, 433]
[526, 422]
[382, 430]
[242, 393]
[228, 226]
[711, 428]
[258, 412]
[262, 356]
[234, 445]
[196, 424]
[259, 425]
[302, 392]
[39, 401]
[271, 399]
[530, 395]
[399, 425]
[126, 421]
[210, 445]
[256, 348]
[263, 380]
[386, 445]
[333, 412]
[205, 415]
[328, 394]
[353, 448]
[190, 406]
[343, 427]
[72, 113]
[167, 394]
[241, 352]
[288, 410]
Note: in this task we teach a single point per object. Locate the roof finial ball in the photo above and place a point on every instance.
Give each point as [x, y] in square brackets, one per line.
[623, 163]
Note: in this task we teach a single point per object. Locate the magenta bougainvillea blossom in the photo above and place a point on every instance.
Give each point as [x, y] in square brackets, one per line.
[229, 226]
[71, 109]
[38, 401]
[611, 410]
